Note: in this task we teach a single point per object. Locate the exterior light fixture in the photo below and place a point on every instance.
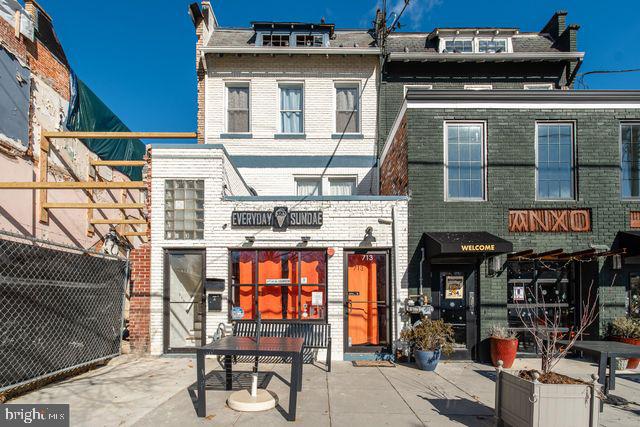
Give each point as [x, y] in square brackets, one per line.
[250, 239]
[305, 239]
[616, 262]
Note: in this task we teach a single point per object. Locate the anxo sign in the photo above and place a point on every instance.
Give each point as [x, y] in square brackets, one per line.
[550, 220]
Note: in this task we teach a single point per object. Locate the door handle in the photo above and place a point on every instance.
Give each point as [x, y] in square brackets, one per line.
[349, 306]
[472, 302]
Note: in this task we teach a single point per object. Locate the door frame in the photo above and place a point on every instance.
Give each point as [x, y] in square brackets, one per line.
[345, 296]
[472, 351]
[166, 299]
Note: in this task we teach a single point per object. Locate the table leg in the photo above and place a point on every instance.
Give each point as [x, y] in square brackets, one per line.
[301, 365]
[228, 373]
[602, 371]
[293, 388]
[612, 373]
[201, 405]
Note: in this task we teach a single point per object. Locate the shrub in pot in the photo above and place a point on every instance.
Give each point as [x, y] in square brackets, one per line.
[504, 345]
[624, 329]
[429, 339]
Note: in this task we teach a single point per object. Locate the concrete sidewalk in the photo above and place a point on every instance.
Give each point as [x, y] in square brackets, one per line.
[159, 392]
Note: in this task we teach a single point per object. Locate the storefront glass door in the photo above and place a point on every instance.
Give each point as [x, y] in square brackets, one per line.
[454, 301]
[367, 301]
[183, 300]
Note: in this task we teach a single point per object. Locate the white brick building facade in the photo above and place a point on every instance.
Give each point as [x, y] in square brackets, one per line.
[344, 226]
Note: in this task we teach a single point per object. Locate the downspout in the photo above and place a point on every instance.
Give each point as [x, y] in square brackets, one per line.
[395, 273]
[420, 277]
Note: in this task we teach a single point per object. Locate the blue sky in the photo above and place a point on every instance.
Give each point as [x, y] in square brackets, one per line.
[139, 56]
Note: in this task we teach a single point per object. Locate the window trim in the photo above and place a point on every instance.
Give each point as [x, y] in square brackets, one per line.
[574, 186]
[260, 37]
[347, 85]
[230, 84]
[353, 178]
[622, 123]
[406, 87]
[478, 87]
[507, 44]
[442, 44]
[445, 162]
[475, 43]
[290, 83]
[538, 86]
[297, 178]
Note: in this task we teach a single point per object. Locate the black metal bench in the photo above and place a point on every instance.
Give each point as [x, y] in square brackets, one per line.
[315, 335]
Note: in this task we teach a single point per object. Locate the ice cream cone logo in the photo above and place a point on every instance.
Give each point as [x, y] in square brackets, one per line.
[281, 215]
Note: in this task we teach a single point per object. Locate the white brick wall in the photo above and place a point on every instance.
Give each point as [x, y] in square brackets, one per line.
[344, 227]
[319, 75]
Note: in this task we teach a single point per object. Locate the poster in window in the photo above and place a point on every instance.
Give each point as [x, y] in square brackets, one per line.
[454, 287]
[316, 298]
[518, 293]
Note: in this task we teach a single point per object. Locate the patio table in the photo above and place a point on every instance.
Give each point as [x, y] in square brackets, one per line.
[605, 353]
[248, 346]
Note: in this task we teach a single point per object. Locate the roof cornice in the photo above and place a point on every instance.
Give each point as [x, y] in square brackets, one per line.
[484, 57]
[418, 95]
[264, 50]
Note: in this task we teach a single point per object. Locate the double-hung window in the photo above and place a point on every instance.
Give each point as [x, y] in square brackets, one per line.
[464, 161]
[342, 186]
[630, 161]
[555, 161]
[291, 108]
[459, 46]
[308, 186]
[492, 46]
[238, 107]
[347, 109]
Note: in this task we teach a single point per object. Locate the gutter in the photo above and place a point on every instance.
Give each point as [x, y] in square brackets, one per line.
[484, 57]
[577, 96]
[265, 50]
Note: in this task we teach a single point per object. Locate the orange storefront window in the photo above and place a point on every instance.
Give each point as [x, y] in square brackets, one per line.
[284, 284]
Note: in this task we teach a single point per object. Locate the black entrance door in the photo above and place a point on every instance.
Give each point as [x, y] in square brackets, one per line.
[454, 296]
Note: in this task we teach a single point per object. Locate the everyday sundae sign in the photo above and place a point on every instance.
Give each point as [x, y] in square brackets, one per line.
[280, 218]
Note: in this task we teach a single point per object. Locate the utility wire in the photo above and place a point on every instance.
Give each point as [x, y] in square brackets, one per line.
[582, 76]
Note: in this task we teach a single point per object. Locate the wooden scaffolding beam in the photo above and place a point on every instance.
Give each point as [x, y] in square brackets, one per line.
[118, 221]
[121, 135]
[118, 162]
[72, 185]
[71, 205]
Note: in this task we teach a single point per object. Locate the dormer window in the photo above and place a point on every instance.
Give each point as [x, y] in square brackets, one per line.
[310, 40]
[492, 45]
[279, 40]
[476, 44]
[459, 46]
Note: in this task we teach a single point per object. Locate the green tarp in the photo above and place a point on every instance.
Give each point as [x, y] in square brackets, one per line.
[89, 114]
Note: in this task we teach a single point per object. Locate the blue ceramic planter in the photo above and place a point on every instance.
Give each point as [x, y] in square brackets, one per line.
[427, 360]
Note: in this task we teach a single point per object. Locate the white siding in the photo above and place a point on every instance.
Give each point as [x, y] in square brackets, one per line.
[319, 75]
[344, 227]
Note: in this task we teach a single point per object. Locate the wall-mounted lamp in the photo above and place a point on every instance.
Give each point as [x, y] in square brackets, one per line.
[385, 221]
[250, 239]
[616, 262]
[305, 239]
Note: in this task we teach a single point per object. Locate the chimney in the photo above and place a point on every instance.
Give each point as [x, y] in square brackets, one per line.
[568, 40]
[33, 8]
[556, 25]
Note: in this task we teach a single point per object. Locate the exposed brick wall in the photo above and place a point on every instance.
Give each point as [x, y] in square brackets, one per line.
[394, 176]
[140, 281]
[200, 72]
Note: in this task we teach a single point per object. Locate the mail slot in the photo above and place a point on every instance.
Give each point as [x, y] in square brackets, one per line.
[214, 302]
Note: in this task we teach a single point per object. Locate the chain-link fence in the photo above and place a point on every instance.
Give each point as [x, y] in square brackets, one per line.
[61, 309]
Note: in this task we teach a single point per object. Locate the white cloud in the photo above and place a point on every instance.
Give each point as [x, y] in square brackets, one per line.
[415, 12]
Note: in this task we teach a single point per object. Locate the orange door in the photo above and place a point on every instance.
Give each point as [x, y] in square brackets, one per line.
[366, 296]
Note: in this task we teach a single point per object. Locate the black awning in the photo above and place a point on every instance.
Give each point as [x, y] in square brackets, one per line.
[472, 243]
[629, 240]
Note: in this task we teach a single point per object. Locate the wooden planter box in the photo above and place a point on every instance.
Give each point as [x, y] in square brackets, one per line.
[520, 402]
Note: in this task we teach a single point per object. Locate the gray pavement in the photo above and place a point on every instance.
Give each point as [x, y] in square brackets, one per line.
[148, 391]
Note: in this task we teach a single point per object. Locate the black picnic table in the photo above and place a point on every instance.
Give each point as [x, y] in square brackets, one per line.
[605, 353]
[248, 346]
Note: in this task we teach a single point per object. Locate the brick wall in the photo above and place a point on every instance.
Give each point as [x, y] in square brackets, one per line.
[140, 281]
[394, 173]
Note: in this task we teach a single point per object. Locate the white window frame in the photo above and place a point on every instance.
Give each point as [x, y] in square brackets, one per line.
[478, 87]
[294, 38]
[347, 84]
[445, 134]
[625, 123]
[261, 35]
[405, 88]
[353, 178]
[290, 83]
[475, 43]
[227, 85]
[297, 178]
[538, 86]
[574, 189]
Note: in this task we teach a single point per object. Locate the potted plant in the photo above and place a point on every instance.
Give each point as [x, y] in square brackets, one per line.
[429, 339]
[504, 345]
[624, 329]
[531, 397]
